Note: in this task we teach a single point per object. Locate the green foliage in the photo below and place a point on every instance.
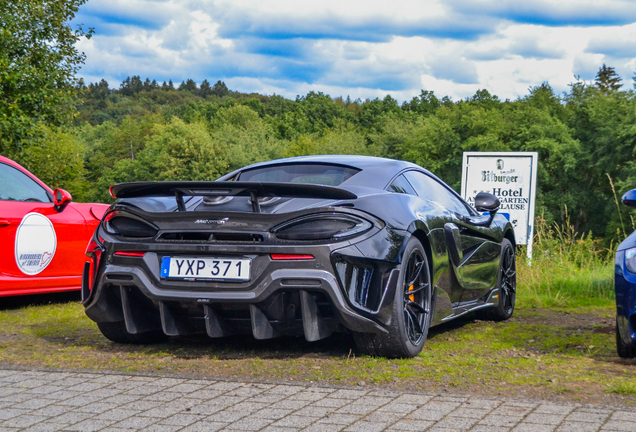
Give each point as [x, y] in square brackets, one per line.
[58, 162]
[38, 62]
[568, 269]
[582, 138]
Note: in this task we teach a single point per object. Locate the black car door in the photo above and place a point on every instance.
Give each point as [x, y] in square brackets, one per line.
[473, 257]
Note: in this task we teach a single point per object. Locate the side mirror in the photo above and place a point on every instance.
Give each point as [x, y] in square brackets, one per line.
[487, 202]
[61, 199]
[629, 199]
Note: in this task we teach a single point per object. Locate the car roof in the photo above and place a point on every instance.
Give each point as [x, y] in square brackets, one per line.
[375, 172]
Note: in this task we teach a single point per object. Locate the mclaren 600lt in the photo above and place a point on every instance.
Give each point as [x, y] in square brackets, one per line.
[308, 246]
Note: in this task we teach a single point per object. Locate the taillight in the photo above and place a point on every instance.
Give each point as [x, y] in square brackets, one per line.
[135, 254]
[94, 252]
[110, 191]
[290, 257]
[322, 226]
[125, 225]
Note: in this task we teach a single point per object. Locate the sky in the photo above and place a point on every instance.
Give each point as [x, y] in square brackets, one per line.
[362, 49]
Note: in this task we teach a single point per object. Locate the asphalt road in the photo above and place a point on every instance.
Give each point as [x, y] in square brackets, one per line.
[36, 400]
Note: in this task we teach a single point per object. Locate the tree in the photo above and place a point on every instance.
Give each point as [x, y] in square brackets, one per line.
[188, 85]
[38, 63]
[220, 89]
[205, 89]
[607, 79]
[425, 104]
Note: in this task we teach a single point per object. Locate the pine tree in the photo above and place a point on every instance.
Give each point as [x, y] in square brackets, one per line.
[607, 79]
[220, 89]
[205, 89]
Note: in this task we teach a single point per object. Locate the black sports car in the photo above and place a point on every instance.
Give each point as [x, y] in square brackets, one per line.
[310, 245]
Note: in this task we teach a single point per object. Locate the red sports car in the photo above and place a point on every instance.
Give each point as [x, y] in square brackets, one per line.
[43, 235]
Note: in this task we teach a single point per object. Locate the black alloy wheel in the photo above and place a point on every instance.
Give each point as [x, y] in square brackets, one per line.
[415, 299]
[507, 284]
[412, 310]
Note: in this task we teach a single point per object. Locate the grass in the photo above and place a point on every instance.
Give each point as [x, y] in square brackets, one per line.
[568, 270]
[559, 344]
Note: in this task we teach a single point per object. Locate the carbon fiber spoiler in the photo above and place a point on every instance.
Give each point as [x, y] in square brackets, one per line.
[179, 189]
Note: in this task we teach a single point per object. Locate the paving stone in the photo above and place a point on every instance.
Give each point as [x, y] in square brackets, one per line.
[412, 425]
[314, 411]
[323, 427]
[533, 427]
[226, 416]
[624, 415]
[620, 425]
[295, 421]
[331, 402]
[571, 426]
[181, 419]
[514, 410]
[51, 411]
[249, 424]
[272, 413]
[582, 416]
[161, 428]
[456, 422]
[89, 425]
[554, 409]
[343, 419]
[71, 417]
[365, 426]
[116, 414]
[372, 400]
[204, 426]
[136, 422]
[542, 418]
[8, 413]
[427, 414]
[500, 420]
[291, 404]
[469, 412]
[484, 428]
[247, 407]
[348, 394]
[280, 429]
[22, 421]
[97, 408]
[52, 401]
[44, 427]
[357, 409]
[398, 407]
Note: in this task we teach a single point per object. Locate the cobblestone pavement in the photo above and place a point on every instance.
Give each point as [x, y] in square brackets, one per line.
[33, 400]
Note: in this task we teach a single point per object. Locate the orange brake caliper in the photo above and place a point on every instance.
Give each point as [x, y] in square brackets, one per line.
[412, 296]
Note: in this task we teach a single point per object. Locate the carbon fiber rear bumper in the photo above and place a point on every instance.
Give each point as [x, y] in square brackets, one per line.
[308, 301]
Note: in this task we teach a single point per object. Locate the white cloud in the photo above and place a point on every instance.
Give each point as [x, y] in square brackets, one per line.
[362, 49]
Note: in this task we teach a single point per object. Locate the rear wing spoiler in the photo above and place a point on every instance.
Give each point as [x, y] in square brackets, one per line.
[254, 190]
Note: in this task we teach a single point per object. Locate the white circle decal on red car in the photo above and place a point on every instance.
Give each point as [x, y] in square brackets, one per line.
[35, 243]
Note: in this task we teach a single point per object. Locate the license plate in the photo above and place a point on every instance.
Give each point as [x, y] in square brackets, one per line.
[231, 269]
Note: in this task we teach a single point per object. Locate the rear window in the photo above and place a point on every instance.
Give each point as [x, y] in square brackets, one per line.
[323, 174]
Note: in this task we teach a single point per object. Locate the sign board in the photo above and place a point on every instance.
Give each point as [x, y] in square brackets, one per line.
[511, 177]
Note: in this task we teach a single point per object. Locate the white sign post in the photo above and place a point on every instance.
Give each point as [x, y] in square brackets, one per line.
[511, 177]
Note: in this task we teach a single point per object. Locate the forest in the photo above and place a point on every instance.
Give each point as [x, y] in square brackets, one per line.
[144, 130]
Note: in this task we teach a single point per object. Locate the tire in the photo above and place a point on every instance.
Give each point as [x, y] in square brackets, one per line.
[507, 285]
[411, 314]
[116, 332]
[623, 350]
